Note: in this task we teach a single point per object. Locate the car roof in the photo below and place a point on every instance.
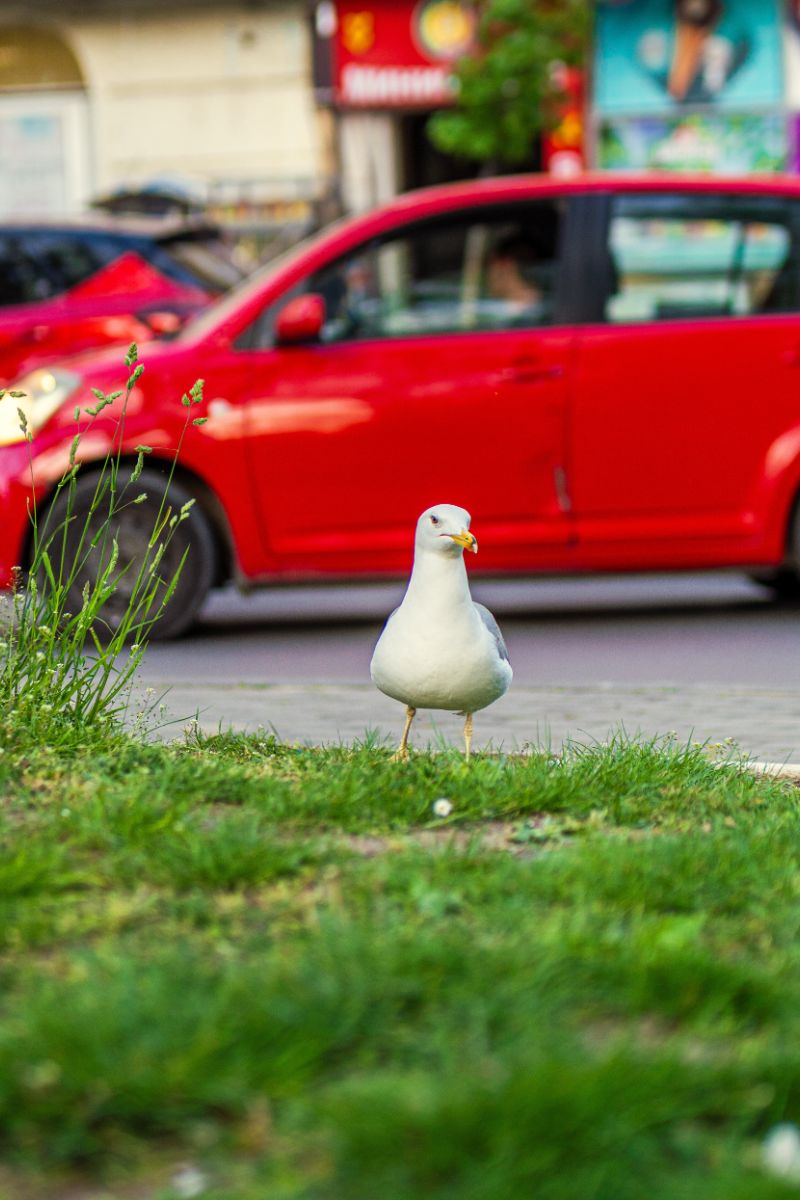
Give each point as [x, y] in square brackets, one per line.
[499, 186]
[432, 201]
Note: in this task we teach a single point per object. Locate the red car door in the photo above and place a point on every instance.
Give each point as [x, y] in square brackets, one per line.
[349, 443]
[427, 389]
[682, 395]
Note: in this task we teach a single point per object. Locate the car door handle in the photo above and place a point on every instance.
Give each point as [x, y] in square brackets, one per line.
[527, 371]
[791, 357]
[533, 374]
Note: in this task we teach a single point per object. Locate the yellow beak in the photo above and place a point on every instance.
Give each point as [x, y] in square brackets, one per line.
[466, 540]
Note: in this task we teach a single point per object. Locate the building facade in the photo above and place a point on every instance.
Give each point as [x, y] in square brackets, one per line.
[212, 98]
[258, 109]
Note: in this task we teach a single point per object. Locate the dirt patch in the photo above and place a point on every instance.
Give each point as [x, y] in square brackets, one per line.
[495, 835]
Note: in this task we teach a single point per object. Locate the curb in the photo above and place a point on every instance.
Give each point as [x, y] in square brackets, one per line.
[778, 770]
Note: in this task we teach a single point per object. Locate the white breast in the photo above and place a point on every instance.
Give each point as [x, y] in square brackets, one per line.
[434, 660]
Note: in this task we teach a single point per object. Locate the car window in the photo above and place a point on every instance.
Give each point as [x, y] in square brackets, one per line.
[38, 265]
[206, 262]
[701, 256]
[481, 271]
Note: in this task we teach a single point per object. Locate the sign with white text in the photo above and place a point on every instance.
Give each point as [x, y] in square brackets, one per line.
[396, 54]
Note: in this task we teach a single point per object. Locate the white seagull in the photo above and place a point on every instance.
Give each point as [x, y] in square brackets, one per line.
[440, 649]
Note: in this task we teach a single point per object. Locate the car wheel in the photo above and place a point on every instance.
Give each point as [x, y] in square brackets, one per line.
[785, 581]
[133, 527]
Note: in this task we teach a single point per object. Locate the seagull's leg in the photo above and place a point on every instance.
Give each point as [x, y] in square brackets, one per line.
[467, 736]
[401, 754]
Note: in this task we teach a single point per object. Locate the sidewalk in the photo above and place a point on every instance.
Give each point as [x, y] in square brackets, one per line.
[764, 723]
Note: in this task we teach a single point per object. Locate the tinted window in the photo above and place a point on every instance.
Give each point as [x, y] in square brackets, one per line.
[701, 256]
[482, 271]
[439, 276]
[37, 265]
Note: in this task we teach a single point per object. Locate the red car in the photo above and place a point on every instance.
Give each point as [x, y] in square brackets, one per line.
[70, 286]
[605, 372]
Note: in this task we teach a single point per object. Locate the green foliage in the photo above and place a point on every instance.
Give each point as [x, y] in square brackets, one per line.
[506, 91]
[64, 672]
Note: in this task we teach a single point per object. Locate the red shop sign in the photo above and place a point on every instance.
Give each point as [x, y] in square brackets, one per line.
[563, 147]
[391, 54]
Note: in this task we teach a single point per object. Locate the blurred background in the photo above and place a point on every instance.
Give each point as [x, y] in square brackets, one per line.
[271, 117]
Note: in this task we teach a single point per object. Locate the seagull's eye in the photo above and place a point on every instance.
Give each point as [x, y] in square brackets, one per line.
[435, 521]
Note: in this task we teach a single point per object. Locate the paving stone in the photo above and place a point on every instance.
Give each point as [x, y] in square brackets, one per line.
[763, 723]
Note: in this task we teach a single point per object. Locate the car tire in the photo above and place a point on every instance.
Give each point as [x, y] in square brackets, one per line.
[133, 528]
[785, 581]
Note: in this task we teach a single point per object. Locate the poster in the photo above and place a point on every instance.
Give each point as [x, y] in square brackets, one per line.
[658, 55]
[724, 144]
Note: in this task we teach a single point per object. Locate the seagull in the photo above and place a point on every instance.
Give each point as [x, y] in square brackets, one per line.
[440, 649]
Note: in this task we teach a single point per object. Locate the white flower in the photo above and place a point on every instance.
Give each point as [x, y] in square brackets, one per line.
[189, 1181]
[780, 1152]
[442, 807]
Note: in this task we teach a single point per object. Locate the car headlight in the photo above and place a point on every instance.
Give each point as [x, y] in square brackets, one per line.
[45, 391]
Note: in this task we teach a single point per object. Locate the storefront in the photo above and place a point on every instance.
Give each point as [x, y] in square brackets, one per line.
[383, 67]
[710, 85]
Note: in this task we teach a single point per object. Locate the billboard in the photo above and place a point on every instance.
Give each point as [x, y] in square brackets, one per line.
[653, 56]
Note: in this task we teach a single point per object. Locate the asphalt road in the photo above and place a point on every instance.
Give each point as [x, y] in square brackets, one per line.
[646, 630]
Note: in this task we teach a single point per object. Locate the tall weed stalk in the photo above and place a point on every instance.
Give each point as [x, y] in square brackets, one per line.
[62, 672]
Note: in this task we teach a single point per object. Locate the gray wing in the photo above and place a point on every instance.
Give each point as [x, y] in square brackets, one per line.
[391, 614]
[494, 630]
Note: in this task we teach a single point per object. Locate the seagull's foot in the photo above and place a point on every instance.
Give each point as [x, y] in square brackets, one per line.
[401, 753]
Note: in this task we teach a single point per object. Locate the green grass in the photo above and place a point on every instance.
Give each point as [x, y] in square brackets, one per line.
[78, 604]
[275, 965]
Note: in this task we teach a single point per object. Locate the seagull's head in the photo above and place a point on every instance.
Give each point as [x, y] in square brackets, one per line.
[444, 529]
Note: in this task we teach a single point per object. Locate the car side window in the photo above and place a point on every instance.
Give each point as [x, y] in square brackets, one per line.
[487, 270]
[696, 255]
[38, 265]
[16, 282]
